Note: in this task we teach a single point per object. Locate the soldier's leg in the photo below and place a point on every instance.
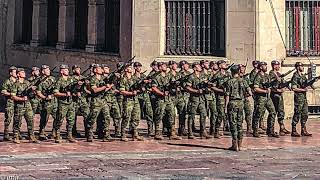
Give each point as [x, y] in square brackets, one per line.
[213, 115]
[62, 113]
[9, 114]
[221, 116]
[279, 106]
[17, 119]
[159, 113]
[271, 119]
[135, 120]
[232, 116]
[171, 118]
[94, 113]
[116, 116]
[29, 117]
[298, 106]
[45, 112]
[182, 113]
[203, 116]
[77, 112]
[107, 117]
[304, 118]
[259, 112]
[239, 125]
[70, 117]
[248, 115]
[34, 104]
[192, 110]
[100, 125]
[127, 112]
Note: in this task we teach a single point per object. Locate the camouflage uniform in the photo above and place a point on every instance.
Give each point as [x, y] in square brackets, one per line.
[131, 109]
[81, 104]
[34, 99]
[197, 103]
[66, 108]
[181, 103]
[235, 90]
[164, 106]
[145, 105]
[22, 109]
[300, 103]
[8, 87]
[247, 107]
[47, 107]
[252, 76]
[263, 102]
[98, 105]
[220, 80]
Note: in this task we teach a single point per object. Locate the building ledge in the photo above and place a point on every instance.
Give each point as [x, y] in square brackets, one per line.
[189, 58]
[290, 61]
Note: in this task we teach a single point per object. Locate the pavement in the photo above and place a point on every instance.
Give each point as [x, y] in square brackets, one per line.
[263, 158]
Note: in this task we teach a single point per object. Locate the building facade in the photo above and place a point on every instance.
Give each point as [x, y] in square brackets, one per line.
[35, 32]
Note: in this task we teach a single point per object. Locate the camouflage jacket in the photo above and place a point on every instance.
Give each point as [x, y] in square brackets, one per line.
[196, 82]
[236, 88]
[161, 83]
[46, 87]
[20, 90]
[297, 81]
[125, 85]
[252, 76]
[8, 87]
[220, 80]
[63, 85]
[209, 95]
[261, 81]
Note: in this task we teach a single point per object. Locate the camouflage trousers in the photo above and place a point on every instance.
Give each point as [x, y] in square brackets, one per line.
[263, 103]
[98, 107]
[65, 111]
[47, 108]
[81, 108]
[181, 104]
[247, 112]
[8, 116]
[300, 112]
[197, 104]
[221, 117]
[277, 100]
[164, 111]
[35, 103]
[23, 110]
[147, 112]
[212, 113]
[131, 114]
[235, 116]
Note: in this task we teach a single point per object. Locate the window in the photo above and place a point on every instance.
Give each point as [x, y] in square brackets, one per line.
[53, 22]
[195, 27]
[303, 27]
[81, 24]
[27, 10]
[112, 26]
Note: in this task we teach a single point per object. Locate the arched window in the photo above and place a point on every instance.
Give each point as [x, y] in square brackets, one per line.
[27, 10]
[53, 22]
[81, 24]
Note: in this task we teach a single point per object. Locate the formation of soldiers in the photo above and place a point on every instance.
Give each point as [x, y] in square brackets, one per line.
[213, 90]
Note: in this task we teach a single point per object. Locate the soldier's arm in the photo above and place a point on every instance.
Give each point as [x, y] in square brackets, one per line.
[155, 89]
[4, 90]
[295, 85]
[256, 86]
[15, 97]
[124, 91]
[227, 95]
[190, 88]
[56, 91]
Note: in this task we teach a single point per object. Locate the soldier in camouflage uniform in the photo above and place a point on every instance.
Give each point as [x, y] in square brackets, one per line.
[220, 79]
[247, 107]
[144, 98]
[214, 67]
[119, 96]
[164, 107]
[22, 106]
[197, 101]
[131, 106]
[63, 91]
[48, 103]
[252, 76]
[235, 91]
[277, 97]
[263, 102]
[112, 103]
[79, 97]
[98, 104]
[6, 91]
[300, 101]
[34, 99]
[154, 72]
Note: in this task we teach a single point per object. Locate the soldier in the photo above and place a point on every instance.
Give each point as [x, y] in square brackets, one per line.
[263, 102]
[48, 103]
[164, 105]
[220, 79]
[214, 67]
[235, 91]
[144, 98]
[79, 98]
[63, 92]
[182, 97]
[247, 107]
[300, 90]
[153, 73]
[131, 106]
[209, 96]
[34, 99]
[119, 96]
[6, 91]
[22, 106]
[112, 103]
[98, 104]
[276, 95]
[196, 101]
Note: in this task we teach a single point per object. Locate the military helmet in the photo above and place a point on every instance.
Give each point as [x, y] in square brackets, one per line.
[235, 68]
[203, 61]
[35, 68]
[64, 66]
[12, 68]
[261, 63]
[172, 62]
[137, 64]
[45, 67]
[195, 64]
[75, 67]
[275, 62]
[297, 64]
[254, 62]
[154, 63]
[221, 62]
[20, 69]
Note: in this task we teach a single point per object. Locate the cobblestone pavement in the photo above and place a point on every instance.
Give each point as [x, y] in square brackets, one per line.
[264, 158]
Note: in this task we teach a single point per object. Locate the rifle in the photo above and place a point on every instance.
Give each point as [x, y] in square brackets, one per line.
[229, 66]
[137, 85]
[287, 73]
[86, 70]
[112, 76]
[310, 82]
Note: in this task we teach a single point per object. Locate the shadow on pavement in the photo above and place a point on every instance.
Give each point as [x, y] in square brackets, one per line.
[196, 145]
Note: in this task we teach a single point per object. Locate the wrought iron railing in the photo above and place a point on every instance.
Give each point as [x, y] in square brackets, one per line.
[195, 27]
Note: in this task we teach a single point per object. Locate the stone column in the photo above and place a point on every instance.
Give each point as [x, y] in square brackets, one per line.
[96, 25]
[66, 29]
[39, 23]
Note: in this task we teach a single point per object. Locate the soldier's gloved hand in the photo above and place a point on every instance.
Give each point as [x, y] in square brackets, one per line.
[68, 94]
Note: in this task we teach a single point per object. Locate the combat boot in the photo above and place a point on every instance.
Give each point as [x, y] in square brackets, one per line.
[117, 131]
[90, 136]
[54, 134]
[273, 134]
[150, 132]
[294, 132]
[217, 134]
[33, 139]
[124, 138]
[256, 134]
[42, 135]
[173, 135]
[70, 138]
[16, 139]
[304, 131]
[283, 130]
[158, 135]
[262, 126]
[211, 131]
[136, 136]
[57, 139]
[249, 130]
[204, 135]
[234, 146]
[240, 144]
[6, 136]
